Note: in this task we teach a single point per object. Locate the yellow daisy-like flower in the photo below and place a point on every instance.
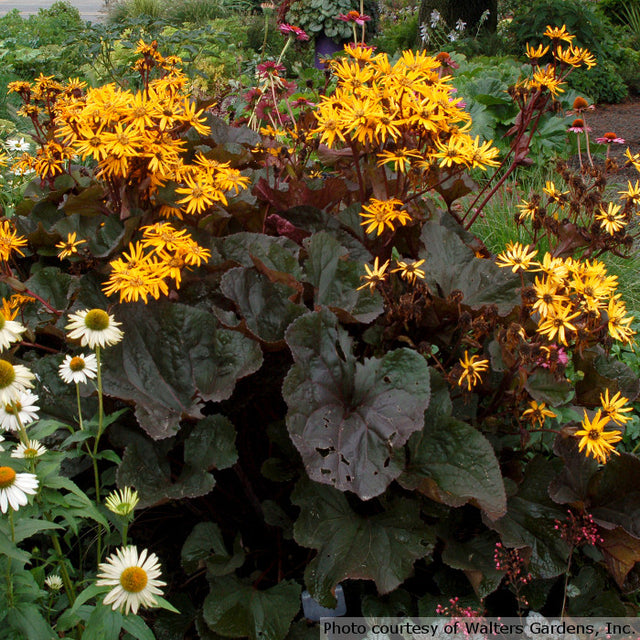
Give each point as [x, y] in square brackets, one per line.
[69, 246]
[557, 324]
[554, 194]
[472, 367]
[516, 256]
[558, 33]
[410, 271]
[381, 214]
[618, 321]
[374, 276]
[10, 241]
[535, 54]
[632, 194]
[537, 413]
[614, 407]
[611, 220]
[597, 441]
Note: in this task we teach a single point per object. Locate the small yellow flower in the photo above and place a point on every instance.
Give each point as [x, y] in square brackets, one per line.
[557, 323]
[472, 367]
[69, 246]
[614, 407]
[597, 441]
[516, 256]
[558, 33]
[537, 413]
[374, 276]
[410, 271]
[611, 220]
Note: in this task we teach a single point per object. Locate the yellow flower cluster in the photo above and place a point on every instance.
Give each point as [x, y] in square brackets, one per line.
[551, 76]
[573, 299]
[10, 241]
[134, 138]
[163, 253]
[406, 114]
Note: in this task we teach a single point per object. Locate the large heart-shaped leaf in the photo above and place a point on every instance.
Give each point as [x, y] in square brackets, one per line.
[349, 420]
[337, 279]
[172, 358]
[450, 265]
[238, 610]
[452, 462]
[263, 305]
[145, 463]
[381, 547]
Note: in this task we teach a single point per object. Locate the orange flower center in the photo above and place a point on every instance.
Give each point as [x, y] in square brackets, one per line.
[7, 477]
[133, 579]
[77, 364]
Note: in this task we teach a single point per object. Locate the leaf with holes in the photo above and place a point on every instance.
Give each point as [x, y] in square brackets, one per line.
[350, 419]
[381, 547]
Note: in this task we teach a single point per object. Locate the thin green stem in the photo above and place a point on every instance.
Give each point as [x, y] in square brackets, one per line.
[125, 531]
[79, 407]
[64, 574]
[96, 474]
[24, 438]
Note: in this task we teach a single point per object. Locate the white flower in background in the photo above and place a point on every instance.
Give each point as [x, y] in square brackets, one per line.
[14, 488]
[122, 502]
[14, 380]
[29, 451]
[10, 332]
[24, 408]
[53, 582]
[14, 144]
[435, 18]
[78, 368]
[94, 328]
[461, 25]
[132, 577]
[453, 36]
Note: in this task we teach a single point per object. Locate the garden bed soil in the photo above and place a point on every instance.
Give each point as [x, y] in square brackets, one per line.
[623, 120]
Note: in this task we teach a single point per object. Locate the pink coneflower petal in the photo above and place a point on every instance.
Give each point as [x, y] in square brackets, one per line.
[610, 137]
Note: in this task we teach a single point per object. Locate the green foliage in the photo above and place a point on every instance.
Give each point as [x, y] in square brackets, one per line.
[603, 83]
[319, 17]
[578, 15]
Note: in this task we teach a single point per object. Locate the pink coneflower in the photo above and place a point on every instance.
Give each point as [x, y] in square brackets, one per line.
[579, 126]
[291, 30]
[580, 105]
[354, 16]
[610, 137]
[270, 69]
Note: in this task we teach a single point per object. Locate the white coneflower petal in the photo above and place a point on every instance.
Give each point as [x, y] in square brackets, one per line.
[14, 488]
[23, 408]
[10, 332]
[53, 582]
[122, 502]
[14, 380]
[79, 368]
[94, 328]
[133, 578]
[29, 451]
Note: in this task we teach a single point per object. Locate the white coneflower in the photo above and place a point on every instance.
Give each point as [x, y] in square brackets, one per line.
[78, 368]
[14, 380]
[132, 577]
[14, 488]
[29, 451]
[1, 440]
[53, 582]
[122, 502]
[10, 332]
[94, 328]
[23, 408]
